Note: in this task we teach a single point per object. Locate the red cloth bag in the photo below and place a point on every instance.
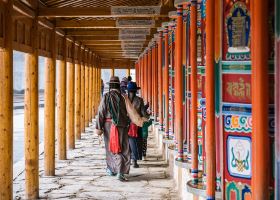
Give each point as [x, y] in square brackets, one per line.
[114, 145]
[133, 130]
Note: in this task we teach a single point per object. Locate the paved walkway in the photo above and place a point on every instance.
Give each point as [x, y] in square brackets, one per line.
[83, 176]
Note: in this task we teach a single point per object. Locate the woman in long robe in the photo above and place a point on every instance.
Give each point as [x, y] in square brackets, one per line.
[136, 140]
[112, 111]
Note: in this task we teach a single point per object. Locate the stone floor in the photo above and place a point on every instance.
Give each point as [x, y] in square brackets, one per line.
[83, 176]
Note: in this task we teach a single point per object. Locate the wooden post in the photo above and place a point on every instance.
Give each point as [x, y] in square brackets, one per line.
[31, 122]
[194, 147]
[179, 82]
[260, 90]
[6, 106]
[31, 118]
[112, 72]
[61, 109]
[210, 101]
[78, 101]
[160, 79]
[82, 97]
[128, 72]
[49, 120]
[86, 94]
[93, 91]
[90, 92]
[70, 106]
[166, 81]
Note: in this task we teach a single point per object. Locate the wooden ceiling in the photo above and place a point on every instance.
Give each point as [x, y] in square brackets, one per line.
[93, 23]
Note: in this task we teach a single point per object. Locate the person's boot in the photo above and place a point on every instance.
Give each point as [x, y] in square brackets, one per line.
[135, 165]
[121, 177]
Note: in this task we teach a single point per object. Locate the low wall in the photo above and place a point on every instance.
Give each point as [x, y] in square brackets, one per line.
[181, 175]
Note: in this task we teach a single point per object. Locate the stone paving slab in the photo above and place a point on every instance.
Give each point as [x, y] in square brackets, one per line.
[83, 176]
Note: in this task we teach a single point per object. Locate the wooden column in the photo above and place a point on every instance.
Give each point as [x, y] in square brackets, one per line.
[49, 120]
[94, 92]
[78, 101]
[166, 81]
[179, 82]
[128, 72]
[31, 122]
[210, 101]
[61, 109]
[90, 93]
[193, 47]
[260, 93]
[70, 106]
[31, 118]
[86, 94]
[6, 106]
[82, 97]
[160, 81]
[112, 72]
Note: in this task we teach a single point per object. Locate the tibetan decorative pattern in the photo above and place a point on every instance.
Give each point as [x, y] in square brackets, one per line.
[239, 155]
[237, 123]
[133, 23]
[137, 10]
[237, 88]
[237, 191]
[238, 31]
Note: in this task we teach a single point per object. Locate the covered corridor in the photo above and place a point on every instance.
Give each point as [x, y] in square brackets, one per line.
[208, 69]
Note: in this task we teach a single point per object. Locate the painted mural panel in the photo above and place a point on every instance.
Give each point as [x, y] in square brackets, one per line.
[237, 30]
[237, 88]
[236, 99]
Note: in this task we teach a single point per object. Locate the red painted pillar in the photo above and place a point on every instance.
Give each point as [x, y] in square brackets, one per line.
[160, 81]
[166, 81]
[156, 92]
[179, 82]
[210, 101]
[146, 74]
[153, 78]
[260, 136]
[193, 46]
[149, 73]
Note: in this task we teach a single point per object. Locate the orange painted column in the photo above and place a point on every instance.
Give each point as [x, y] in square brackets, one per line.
[149, 73]
[151, 85]
[160, 81]
[193, 57]
[210, 101]
[143, 89]
[179, 82]
[156, 92]
[166, 81]
[260, 136]
[146, 75]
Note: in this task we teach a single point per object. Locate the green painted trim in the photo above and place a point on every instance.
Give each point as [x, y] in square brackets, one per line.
[277, 18]
[217, 87]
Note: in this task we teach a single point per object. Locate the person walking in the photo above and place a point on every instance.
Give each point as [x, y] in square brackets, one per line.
[135, 132]
[113, 121]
